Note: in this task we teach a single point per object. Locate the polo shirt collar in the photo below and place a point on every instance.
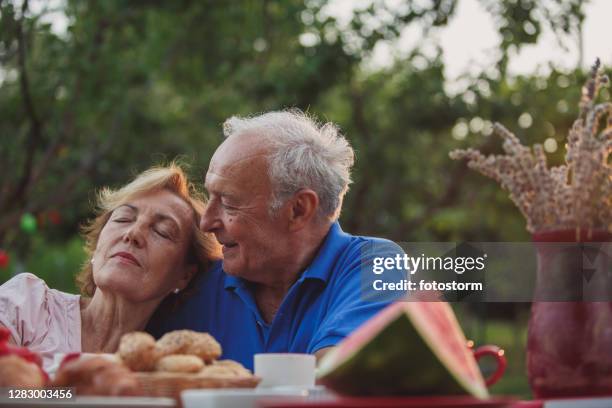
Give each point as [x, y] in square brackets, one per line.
[232, 282]
[323, 264]
[321, 267]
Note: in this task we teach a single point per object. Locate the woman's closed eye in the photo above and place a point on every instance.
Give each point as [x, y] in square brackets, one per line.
[122, 219]
[165, 229]
[163, 234]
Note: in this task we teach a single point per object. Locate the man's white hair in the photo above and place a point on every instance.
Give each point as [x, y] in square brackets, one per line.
[303, 154]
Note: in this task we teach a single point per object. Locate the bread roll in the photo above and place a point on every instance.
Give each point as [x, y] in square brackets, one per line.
[97, 376]
[180, 363]
[138, 351]
[198, 344]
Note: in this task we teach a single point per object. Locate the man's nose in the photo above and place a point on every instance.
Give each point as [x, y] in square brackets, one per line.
[210, 219]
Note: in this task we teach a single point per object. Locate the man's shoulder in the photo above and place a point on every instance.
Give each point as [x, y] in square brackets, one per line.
[364, 247]
[204, 292]
[355, 271]
[212, 278]
[205, 288]
[359, 252]
[214, 271]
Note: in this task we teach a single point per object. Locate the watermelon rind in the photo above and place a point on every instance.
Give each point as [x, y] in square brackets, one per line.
[401, 357]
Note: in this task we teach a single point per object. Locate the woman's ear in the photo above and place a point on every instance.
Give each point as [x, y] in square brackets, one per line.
[189, 272]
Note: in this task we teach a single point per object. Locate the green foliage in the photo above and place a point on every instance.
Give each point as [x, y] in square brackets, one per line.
[127, 86]
[55, 263]
[130, 84]
[124, 87]
[520, 22]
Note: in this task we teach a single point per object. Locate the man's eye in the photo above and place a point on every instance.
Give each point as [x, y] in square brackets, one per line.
[227, 206]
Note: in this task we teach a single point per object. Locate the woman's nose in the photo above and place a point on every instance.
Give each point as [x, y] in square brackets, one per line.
[134, 234]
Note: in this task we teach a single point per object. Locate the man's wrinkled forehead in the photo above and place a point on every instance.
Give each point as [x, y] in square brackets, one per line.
[238, 156]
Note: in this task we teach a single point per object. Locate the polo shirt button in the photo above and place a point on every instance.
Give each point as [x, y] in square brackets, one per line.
[259, 323]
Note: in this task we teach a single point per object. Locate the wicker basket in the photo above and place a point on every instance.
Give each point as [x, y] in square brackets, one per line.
[161, 384]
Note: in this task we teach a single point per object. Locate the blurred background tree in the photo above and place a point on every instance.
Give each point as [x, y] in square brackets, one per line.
[130, 84]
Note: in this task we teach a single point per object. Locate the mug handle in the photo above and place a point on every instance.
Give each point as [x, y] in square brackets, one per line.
[498, 354]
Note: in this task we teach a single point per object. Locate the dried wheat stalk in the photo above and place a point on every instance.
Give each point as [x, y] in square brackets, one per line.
[577, 194]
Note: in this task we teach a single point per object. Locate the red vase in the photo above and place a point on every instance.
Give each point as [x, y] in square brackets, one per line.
[569, 344]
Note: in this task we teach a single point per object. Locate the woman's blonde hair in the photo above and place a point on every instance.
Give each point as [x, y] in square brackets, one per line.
[203, 249]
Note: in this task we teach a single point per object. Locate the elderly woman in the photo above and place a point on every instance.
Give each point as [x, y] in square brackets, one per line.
[144, 247]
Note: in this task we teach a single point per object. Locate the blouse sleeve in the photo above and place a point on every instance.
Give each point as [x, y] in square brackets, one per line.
[24, 307]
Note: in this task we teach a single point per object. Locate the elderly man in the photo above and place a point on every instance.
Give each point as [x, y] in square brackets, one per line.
[290, 280]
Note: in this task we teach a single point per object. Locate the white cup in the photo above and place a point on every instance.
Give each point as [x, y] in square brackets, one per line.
[285, 369]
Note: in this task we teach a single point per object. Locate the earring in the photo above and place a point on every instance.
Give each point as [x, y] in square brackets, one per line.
[176, 291]
[92, 261]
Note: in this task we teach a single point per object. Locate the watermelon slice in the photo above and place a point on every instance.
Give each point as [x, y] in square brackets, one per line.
[409, 348]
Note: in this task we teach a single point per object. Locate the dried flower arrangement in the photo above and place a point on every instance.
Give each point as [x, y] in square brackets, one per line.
[576, 195]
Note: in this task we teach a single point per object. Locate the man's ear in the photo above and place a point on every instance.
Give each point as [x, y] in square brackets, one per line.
[190, 271]
[304, 206]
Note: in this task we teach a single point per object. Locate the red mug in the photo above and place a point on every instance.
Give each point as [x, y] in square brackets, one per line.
[495, 352]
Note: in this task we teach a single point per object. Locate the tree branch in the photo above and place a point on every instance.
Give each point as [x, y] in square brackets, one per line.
[35, 134]
[60, 195]
[34, 170]
[68, 116]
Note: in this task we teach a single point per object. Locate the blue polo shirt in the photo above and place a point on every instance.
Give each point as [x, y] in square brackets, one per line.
[331, 298]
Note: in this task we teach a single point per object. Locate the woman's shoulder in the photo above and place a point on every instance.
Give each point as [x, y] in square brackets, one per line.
[23, 288]
[27, 306]
[29, 290]
[31, 283]
[24, 280]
